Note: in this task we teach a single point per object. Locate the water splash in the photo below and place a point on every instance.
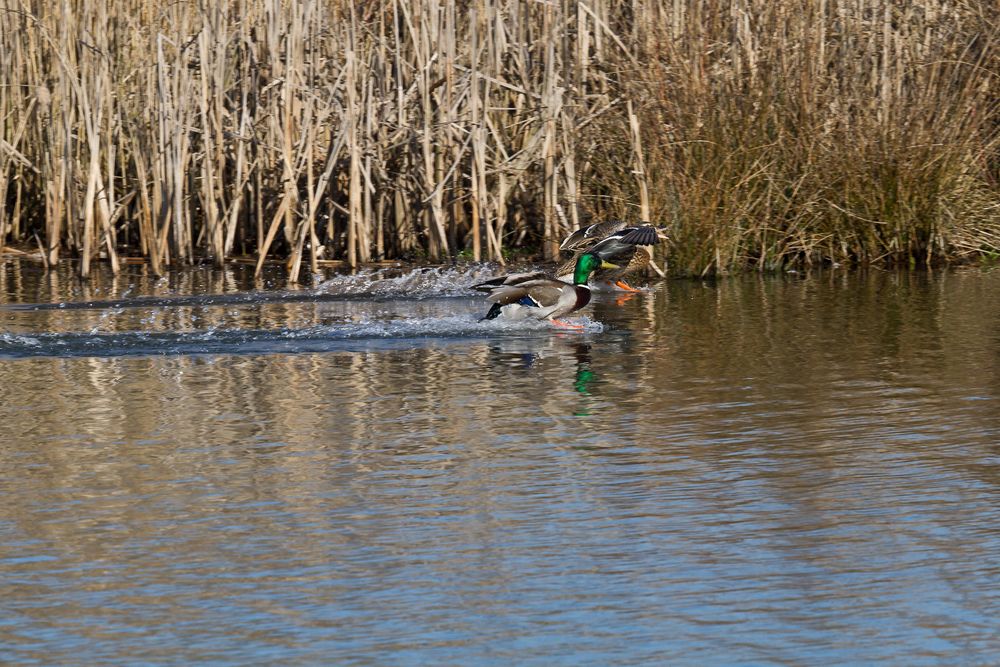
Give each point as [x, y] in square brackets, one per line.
[419, 283]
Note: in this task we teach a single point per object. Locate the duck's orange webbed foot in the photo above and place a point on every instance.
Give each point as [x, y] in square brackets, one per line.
[567, 325]
[621, 284]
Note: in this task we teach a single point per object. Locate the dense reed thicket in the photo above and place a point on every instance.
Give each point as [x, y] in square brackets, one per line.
[762, 133]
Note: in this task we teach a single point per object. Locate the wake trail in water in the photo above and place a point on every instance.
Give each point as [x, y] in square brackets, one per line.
[349, 336]
[377, 284]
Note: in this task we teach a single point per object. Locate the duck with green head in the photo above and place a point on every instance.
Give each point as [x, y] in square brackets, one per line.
[540, 296]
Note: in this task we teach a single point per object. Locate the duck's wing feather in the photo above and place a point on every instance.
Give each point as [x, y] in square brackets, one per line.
[508, 279]
[613, 250]
[611, 234]
[586, 236]
[547, 293]
[543, 293]
[620, 246]
[642, 235]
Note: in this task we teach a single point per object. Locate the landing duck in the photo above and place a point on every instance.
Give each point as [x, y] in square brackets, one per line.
[614, 241]
[540, 296]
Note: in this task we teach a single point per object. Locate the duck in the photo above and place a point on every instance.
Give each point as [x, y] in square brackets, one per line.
[540, 296]
[628, 246]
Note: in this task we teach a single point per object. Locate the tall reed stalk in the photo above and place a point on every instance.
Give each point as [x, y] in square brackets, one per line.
[764, 134]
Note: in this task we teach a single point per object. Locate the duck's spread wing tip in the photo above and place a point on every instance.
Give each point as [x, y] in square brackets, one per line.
[645, 235]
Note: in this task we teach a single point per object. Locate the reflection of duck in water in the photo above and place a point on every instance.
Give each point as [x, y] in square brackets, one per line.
[615, 241]
[584, 377]
[539, 296]
[584, 374]
[523, 354]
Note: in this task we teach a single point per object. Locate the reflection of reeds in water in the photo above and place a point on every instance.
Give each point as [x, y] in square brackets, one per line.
[764, 132]
[718, 373]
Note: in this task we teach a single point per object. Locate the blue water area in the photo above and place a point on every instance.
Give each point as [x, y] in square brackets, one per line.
[770, 470]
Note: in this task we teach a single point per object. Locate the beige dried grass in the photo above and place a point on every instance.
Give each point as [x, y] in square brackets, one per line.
[765, 134]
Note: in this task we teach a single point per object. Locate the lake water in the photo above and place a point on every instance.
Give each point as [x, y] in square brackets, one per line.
[801, 469]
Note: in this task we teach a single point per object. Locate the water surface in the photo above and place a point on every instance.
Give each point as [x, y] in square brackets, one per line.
[802, 469]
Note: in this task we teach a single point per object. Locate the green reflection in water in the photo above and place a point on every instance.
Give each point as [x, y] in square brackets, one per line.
[585, 376]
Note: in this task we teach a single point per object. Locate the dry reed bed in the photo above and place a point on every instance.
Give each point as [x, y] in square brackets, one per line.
[763, 133]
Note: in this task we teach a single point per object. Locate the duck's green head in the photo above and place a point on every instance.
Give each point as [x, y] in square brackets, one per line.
[587, 264]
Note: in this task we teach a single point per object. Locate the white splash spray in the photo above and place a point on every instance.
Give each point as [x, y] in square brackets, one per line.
[416, 283]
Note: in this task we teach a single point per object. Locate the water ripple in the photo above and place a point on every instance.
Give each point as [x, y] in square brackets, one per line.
[360, 334]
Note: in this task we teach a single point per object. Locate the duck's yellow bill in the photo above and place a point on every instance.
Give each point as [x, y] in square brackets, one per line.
[608, 265]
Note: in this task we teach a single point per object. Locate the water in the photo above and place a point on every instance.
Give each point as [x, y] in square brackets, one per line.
[801, 469]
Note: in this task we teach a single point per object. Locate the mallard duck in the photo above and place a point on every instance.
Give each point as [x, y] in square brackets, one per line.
[538, 295]
[630, 247]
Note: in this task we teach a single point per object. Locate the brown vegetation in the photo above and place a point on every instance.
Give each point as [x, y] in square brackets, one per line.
[762, 133]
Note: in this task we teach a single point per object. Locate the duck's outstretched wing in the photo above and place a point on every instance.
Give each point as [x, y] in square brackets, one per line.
[620, 246]
[612, 231]
[642, 235]
[587, 236]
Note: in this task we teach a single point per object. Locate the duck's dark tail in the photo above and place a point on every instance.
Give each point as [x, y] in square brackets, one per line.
[493, 314]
